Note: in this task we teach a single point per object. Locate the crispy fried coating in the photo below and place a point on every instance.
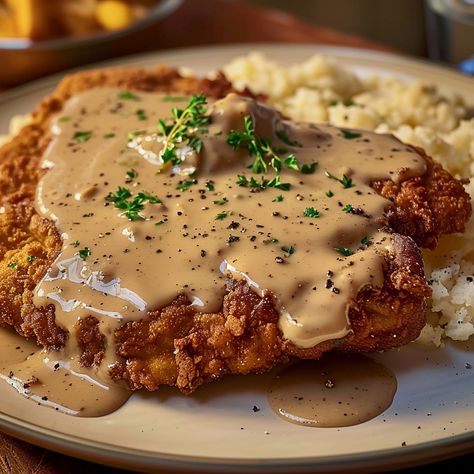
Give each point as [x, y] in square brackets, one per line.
[427, 206]
[177, 345]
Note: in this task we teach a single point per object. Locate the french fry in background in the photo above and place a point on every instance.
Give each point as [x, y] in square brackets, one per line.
[114, 14]
[42, 19]
[32, 18]
[77, 17]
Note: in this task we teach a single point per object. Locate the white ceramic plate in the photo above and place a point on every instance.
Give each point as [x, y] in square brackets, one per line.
[216, 430]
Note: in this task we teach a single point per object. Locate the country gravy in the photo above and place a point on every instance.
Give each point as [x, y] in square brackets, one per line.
[314, 246]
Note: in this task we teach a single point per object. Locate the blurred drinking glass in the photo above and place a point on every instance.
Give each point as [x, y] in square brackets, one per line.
[450, 29]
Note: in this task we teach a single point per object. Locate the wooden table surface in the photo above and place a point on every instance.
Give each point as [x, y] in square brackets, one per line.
[200, 22]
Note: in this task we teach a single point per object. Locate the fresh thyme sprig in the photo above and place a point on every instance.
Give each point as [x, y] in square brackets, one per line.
[131, 205]
[266, 155]
[260, 148]
[345, 181]
[183, 129]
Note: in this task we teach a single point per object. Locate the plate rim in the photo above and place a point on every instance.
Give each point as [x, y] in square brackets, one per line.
[405, 456]
[385, 459]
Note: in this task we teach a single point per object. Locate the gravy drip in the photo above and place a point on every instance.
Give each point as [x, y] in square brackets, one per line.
[49, 379]
[338, 390]
[200, 233]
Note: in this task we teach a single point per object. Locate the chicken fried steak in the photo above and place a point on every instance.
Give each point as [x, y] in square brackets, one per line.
[223, 241]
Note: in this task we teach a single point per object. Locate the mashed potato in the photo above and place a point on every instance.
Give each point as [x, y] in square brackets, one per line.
[320, 90]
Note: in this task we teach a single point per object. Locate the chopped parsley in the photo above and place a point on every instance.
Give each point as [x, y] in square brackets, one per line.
[347, 208]
[13, 265]
[82, 137]
[131, 175]
[76, 243]
[289, 250]
[311, 212]
[127, 95]
[221, 202]
[210, 186]
[365, 241]
[292, 163]
[350, 135]
[309, 169]
[85, 252]
[345, 181]
[344, 251]
[222, 215]
[270, 241]
[30, 258]
[141, 114]
[329, 194]
[184, 126]
[279, 198]
[186, 184]
[130, 204]
[263, 183]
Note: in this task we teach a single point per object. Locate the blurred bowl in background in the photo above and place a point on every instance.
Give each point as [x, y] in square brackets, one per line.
[22, 60]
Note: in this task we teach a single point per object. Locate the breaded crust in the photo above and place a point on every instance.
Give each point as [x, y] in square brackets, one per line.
[176, 345]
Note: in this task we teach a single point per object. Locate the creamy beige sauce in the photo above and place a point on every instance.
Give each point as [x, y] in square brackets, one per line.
[49, 380]
[181, 246]
[338, 390]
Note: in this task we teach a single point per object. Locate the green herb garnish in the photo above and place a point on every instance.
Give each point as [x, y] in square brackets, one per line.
[259, 148]
[75, 244]
[109, 135]
[131, 175]
[221, 202]
[127, 95]
[279, 198]
[309, 169]
[311, 212]
[31, 258]
[186, 123]
[347, 208]
[344, 251]
[292, 163]
[270, 241]
[349, 135]
[85, 252]
[365, 241]
[210, 186]
[222, 215]
[345, 181]
[288, 250]
[82, 137]
[329, 194]
[124, 200]
[13, 265]
[64, 118]
[186, 184]
[141, 114]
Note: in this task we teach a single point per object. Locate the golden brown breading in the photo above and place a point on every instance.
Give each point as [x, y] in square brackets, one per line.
[177, 345]
[427, 206]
